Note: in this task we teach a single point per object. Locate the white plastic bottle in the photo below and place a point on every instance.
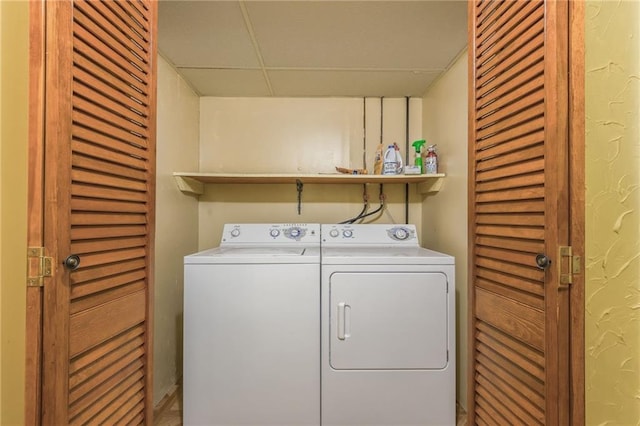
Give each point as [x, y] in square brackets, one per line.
[390, 164]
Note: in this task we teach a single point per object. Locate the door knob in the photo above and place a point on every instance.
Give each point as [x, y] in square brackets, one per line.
[542, 261]
[72, 262]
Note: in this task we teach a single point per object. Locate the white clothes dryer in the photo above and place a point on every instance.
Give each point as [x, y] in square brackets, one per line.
[388, 328]
[251, 328]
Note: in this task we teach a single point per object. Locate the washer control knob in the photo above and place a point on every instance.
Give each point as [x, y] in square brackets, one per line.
[274, 232]
[347, 233]
[334, 233]
[295, 232]
[235, 232]
[401, 234]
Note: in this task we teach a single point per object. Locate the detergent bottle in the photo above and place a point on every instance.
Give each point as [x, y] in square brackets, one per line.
[431, 161]
[417, 145]
[392, 164]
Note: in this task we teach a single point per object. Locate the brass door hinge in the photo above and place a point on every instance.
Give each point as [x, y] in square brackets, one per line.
[38, 266]
[568, 265]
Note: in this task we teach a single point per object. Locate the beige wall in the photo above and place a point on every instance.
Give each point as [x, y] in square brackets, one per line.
[612, 323]
[445, 213]
[13, 207]
[297, 135]
[176, 220]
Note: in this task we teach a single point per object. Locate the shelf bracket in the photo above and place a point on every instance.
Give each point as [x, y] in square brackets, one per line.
[430, 186]
[189, 185]
[299, 187]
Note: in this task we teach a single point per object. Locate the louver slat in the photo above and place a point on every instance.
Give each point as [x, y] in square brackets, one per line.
[510, 281]
[487, 415]
[103, 102]
[502, 289]
[139, 6]
[102, 351]
[85, 121]
[107, 206]
[498, 345]
[98, 398]
[138, 30]
[497, 54]
[104, 295]
[95, 246]
[519, 57]
[107, 154]
[111, 24]
[108, 69]
[509, 12]
[122, 406]
[92, 41]
[128, 360]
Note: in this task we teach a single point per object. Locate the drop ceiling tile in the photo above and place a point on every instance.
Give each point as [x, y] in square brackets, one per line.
[222, 82]
[205, 33]
[350, 83]
[359, 34]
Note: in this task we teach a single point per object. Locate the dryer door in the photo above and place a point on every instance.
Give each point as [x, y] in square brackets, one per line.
[388, 320]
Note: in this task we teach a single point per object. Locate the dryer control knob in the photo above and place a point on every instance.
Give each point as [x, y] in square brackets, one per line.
[274, 232]
[401, 234]
[334, 233]
[347, 233]
[235, 232]
[295, 232]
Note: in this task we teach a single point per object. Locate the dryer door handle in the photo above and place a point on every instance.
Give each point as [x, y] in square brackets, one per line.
[341, 320]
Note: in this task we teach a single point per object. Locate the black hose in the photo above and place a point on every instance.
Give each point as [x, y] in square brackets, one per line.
[381, 196]
[373, 212]
[406, 154]
[360, 215]
[365, 197]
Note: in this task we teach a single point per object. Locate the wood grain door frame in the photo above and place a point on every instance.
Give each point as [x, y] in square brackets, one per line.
[35, 214]
[577, 205]
[58, 86]
[556, 158]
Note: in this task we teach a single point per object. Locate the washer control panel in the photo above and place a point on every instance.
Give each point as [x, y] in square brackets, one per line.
[369, 234]
[258, 233]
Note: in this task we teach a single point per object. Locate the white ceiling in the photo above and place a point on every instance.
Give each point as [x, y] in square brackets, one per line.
[312, 48]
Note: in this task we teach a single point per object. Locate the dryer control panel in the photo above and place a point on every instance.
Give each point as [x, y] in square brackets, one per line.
[339, 234]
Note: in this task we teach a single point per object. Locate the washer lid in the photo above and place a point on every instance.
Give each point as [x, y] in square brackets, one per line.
[384, 255]
[260, 251]
[255, 255]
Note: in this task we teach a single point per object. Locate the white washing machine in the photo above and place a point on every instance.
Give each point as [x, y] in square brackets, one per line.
[251, 328]
[388, 328]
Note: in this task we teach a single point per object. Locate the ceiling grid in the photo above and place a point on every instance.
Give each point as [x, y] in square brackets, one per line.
[312, 48]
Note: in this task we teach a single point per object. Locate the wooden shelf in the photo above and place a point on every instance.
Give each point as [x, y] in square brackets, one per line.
[193, 183]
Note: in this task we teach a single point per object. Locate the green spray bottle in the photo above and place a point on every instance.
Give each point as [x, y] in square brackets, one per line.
[418, 147]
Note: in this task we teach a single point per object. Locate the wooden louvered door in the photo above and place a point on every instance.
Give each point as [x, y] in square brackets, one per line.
[99, 205]
[519, 208]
